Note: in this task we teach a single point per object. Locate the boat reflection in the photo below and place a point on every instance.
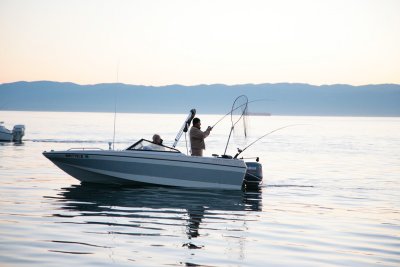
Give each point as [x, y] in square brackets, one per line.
[165, 207]
[3, 143]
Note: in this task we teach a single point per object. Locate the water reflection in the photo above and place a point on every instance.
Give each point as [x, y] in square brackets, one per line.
[16, 143]
[151, 210]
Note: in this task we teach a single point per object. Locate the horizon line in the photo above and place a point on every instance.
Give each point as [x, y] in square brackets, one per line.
[201, 84]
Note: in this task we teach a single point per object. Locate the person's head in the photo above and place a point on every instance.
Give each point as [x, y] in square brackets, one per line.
[157, 139]
[196, 123]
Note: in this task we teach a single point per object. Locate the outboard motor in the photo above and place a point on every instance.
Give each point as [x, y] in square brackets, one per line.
[254, 176]
[18, 132]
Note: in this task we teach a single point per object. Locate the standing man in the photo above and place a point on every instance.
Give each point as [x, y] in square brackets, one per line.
[197, 138]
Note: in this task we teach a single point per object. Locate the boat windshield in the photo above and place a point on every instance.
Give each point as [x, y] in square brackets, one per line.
[144, 144]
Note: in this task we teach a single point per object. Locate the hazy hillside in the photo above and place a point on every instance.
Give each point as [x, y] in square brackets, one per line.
[280, 99]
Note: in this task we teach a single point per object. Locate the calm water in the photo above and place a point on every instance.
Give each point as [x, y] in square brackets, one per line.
[331, 197]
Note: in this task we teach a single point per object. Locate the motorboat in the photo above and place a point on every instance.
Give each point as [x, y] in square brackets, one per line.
[14, 135]
[5, 134]
[147, 163]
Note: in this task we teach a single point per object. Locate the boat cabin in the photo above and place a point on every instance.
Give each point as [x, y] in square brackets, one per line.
[144, 144]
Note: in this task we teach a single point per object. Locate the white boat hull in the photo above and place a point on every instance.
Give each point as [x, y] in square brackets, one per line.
[5, 136]
[150, 167]
[12, 136]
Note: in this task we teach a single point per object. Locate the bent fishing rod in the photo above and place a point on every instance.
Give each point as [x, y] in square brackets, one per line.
[230, 112]
[252, 143]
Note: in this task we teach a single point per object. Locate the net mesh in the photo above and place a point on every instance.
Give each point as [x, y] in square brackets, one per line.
[239, 119]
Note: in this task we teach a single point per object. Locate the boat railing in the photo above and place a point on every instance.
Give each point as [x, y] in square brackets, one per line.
[85, 148]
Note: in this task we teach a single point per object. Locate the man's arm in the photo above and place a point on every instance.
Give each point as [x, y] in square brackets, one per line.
[207, 132]
[199, 134]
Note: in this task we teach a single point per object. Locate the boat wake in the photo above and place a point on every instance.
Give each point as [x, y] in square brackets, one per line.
[287, 185]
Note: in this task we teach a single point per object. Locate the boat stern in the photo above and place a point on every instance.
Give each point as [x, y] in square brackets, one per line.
[18, 132]
[254, 175]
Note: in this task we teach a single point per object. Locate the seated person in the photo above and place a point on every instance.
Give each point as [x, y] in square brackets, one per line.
[157, 143]
[157, 139]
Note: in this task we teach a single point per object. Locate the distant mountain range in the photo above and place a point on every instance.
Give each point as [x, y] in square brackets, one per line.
[277, 99]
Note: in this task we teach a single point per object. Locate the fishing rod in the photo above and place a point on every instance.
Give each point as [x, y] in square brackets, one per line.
[252, 143]
[230, 112]
[115, 106]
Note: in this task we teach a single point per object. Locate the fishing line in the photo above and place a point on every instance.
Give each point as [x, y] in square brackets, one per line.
[252, 143]
[187, 150]
[115, 104]
[242, 101]
[256, 100]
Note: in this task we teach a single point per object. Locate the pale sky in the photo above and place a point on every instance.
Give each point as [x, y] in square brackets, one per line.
[200, 42]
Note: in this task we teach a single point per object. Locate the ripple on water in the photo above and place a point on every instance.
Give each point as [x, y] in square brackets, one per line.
[329, 198]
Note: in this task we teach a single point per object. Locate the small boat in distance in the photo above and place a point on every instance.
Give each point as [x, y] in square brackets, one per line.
[15, 135]
[259, 114]
[147, 163]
